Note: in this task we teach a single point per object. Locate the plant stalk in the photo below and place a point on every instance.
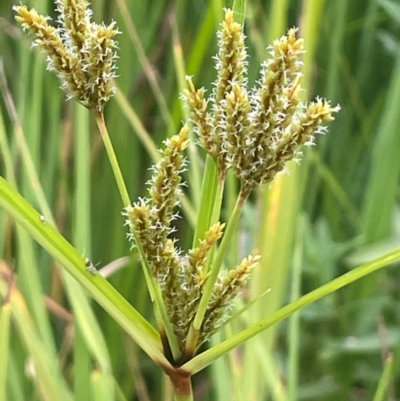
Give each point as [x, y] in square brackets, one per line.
[194, 331]
[181, 385]
[113, 158]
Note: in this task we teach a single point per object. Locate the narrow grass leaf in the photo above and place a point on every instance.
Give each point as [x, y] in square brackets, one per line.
[106, 295]
[5, 314]
[385, 168]
[50, 382]
[201, 361]
[385, 380]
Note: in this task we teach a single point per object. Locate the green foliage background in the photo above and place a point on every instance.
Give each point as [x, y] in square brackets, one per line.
[338, 209]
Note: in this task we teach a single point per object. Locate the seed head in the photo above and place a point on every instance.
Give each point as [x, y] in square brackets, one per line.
[226, 289]
[150, 218]
[79, 51]
[255, 132]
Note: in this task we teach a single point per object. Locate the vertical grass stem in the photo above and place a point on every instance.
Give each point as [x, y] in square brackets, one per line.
[112, 157]
[216, 267]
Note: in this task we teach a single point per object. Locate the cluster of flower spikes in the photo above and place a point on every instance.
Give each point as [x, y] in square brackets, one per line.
[255, 132]
[80, 52]
[181, 277]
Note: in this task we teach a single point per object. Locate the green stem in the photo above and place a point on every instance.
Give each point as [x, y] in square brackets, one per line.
[181, 385]
[239, 8]
[216, 267]
[154, 290]
[216, 209]
[210, 206]
[294, 322]
[160, 310]
[112, 157]
[384, 381]
[181, 397]
[208, 194]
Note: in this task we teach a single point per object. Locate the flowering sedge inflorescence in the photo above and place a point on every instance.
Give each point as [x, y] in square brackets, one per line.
[79, 51]
[255, 132]
[181, 277]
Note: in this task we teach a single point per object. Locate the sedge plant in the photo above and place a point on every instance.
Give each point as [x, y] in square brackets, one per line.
[251, 132]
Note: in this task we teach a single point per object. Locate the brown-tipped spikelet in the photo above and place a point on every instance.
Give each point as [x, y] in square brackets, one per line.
[231, 66]
[194, 276]
[79, 51]
[226, 289]
[256, 132]
[150, 219]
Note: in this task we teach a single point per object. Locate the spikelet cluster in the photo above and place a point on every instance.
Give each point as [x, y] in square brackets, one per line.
[226, 289]
[80, 52]
[255, 132]
[181, 277]
[151, 223]
[151, 218]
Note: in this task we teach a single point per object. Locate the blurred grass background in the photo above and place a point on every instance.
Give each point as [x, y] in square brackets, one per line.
[335, 211]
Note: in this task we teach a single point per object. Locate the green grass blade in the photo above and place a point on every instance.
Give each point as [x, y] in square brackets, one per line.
[87, 329]
[57, 246]
[294, 319]
[208, 194]
[385, 380]
[51, 384]
[201, 361]
[147, 67]
[385, 168]
[5, 314]
[239, 8]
